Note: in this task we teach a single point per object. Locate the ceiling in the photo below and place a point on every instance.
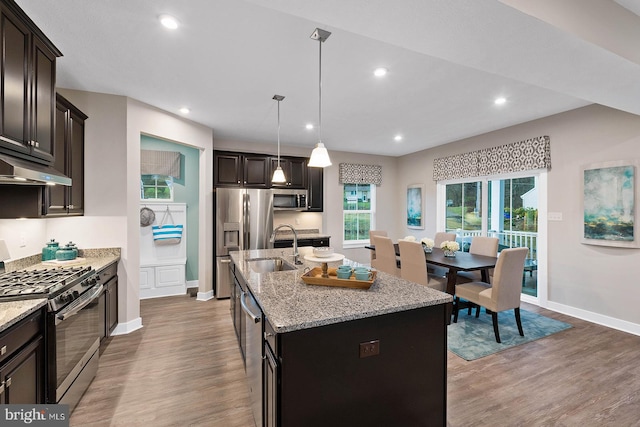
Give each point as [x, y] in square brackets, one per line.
[447, 61]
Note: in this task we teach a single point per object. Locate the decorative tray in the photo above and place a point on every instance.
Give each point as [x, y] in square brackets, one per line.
[314, 277]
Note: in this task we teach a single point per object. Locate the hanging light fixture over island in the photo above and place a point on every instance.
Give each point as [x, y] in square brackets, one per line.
[319, 155]
[278, 174]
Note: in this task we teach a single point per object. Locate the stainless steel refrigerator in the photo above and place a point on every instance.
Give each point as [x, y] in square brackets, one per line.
[244, 221]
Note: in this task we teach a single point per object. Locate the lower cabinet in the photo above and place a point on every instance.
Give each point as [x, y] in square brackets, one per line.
[321, 241]
[162, 280]
[108, 303]
[22, 363]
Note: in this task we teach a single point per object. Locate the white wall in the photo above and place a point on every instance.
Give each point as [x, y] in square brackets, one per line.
[592, 282]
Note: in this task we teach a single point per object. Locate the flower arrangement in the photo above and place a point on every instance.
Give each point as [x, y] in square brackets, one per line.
[427, 242]
[449, 245]
[409, 238]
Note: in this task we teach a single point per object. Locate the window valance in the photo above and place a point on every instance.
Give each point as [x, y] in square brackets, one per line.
[530, 154]
[351, 173]
[153, 162]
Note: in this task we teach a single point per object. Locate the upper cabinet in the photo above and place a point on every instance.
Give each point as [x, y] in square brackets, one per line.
[69, 149]
[295, 172]
[315, 201]
[27, 96]
[241, 170]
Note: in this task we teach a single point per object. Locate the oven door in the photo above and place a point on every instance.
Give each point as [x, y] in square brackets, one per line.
[76, 337]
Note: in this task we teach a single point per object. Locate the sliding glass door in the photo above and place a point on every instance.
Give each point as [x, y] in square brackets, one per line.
[506, 208]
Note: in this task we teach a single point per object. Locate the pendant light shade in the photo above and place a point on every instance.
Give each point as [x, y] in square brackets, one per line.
[278, 174]
[320, 155]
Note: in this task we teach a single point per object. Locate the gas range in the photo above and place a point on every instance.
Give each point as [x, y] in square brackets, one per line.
[60, 285]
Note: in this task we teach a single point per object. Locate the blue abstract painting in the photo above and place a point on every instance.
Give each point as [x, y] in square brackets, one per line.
[609, 204]
[414, 207]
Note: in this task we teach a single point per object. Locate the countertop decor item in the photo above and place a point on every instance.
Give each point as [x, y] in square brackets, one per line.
[50, 249]
[67, 253]
[323, 251]
[315, 277]
[324, 261]
[427, 244]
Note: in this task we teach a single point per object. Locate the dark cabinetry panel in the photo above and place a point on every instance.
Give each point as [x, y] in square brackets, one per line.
[27, 98]
[315, 185]
[324, 241]
[108, 302]
[22, 363]
[69, 158]
[241, 170]
[295, 172]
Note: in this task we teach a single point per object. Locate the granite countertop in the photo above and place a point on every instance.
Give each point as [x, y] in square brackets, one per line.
[11, 312]
[290, 304]
[310, 233]
[96, 258]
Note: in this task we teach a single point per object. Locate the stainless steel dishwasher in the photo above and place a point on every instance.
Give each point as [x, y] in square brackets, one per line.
[254, 355]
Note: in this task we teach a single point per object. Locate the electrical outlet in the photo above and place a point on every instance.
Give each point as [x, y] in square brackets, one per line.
[369, 348]
[297, 221]
[23, 241]
[554, 216]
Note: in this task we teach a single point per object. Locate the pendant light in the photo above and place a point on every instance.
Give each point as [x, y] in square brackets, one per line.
[278, 174]
[319, 155]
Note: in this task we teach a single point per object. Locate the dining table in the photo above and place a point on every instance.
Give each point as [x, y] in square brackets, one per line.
[463, 261]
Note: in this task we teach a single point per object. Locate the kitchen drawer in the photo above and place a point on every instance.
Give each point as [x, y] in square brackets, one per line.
[270, 336]
[19, 335]
[107, 273]
[320, 242]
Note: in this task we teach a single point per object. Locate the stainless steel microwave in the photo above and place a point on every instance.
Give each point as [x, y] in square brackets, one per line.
[294, 200]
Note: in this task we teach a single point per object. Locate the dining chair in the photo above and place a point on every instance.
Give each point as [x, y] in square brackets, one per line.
[480, 245]
[373, 252]
[441, 236]
[385, 256]
[414, 266]
[503, 294]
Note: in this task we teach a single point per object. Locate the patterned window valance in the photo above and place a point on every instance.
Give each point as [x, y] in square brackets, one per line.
[154, 162]
[351, 173]
[530, 154]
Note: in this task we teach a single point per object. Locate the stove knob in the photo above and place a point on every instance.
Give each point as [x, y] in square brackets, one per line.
[76, 294]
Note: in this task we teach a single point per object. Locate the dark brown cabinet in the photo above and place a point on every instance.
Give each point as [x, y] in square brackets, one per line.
[320, 241]
[27, 96]
[295, 172]
[108, 302]
[315, 186]
[241, 170]
[69, 148]
[22, 363]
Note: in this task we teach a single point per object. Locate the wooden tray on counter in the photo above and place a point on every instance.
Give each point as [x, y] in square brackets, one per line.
[314, 277]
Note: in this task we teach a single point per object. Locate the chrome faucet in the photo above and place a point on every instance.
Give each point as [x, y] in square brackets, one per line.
[295, 241]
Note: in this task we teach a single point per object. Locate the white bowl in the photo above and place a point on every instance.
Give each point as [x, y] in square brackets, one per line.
[323, 252]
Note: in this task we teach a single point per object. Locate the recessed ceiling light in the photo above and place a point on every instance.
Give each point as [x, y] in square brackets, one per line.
[379, 72]
[169, 21]
[500, 101]
[309, 126]
[185, 110]
[397, 138]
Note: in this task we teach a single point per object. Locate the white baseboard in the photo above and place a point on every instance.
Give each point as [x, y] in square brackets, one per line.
[205, 296]
[128, 327]
[163, 292]
[600, 319]
[192, 283]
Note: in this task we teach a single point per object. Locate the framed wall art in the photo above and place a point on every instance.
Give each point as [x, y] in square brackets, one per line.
[610, 196]
[415, 206]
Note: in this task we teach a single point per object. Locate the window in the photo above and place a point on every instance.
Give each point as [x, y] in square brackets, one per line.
[156, 187]
[358, 213]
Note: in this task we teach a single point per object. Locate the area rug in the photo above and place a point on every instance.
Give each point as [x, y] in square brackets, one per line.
[473, 338]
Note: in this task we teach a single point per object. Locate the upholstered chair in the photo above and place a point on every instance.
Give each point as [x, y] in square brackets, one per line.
[414, 266]
[503, 294]
[373, 253]
[441, 236]
[480, 245]
[385, 256]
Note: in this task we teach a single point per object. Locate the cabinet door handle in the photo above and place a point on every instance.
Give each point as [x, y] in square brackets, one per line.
[37, 144]
[2, 387]
[7, 383]
[3, 350]
[71, 206]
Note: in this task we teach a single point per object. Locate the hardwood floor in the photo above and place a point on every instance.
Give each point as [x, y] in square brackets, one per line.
[184, 369]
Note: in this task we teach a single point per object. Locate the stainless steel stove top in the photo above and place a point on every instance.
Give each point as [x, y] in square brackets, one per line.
[62, 284]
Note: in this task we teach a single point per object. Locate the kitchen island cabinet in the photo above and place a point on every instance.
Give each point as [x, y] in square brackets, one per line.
[22, 352]
[340, 356]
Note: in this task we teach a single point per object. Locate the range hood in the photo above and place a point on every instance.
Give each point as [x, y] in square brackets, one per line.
[18, 171]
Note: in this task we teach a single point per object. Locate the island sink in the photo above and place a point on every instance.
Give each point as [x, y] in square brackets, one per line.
[269, 265]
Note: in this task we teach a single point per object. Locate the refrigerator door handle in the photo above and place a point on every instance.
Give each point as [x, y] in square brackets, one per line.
[247, 220]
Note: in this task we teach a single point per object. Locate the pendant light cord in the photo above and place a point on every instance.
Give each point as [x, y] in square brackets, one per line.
[320, 94]
[278, 133]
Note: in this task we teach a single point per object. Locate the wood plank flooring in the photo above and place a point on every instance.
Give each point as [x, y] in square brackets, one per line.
[184, 369]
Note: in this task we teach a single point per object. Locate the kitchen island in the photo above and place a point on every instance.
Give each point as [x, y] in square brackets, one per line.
[342, 356]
